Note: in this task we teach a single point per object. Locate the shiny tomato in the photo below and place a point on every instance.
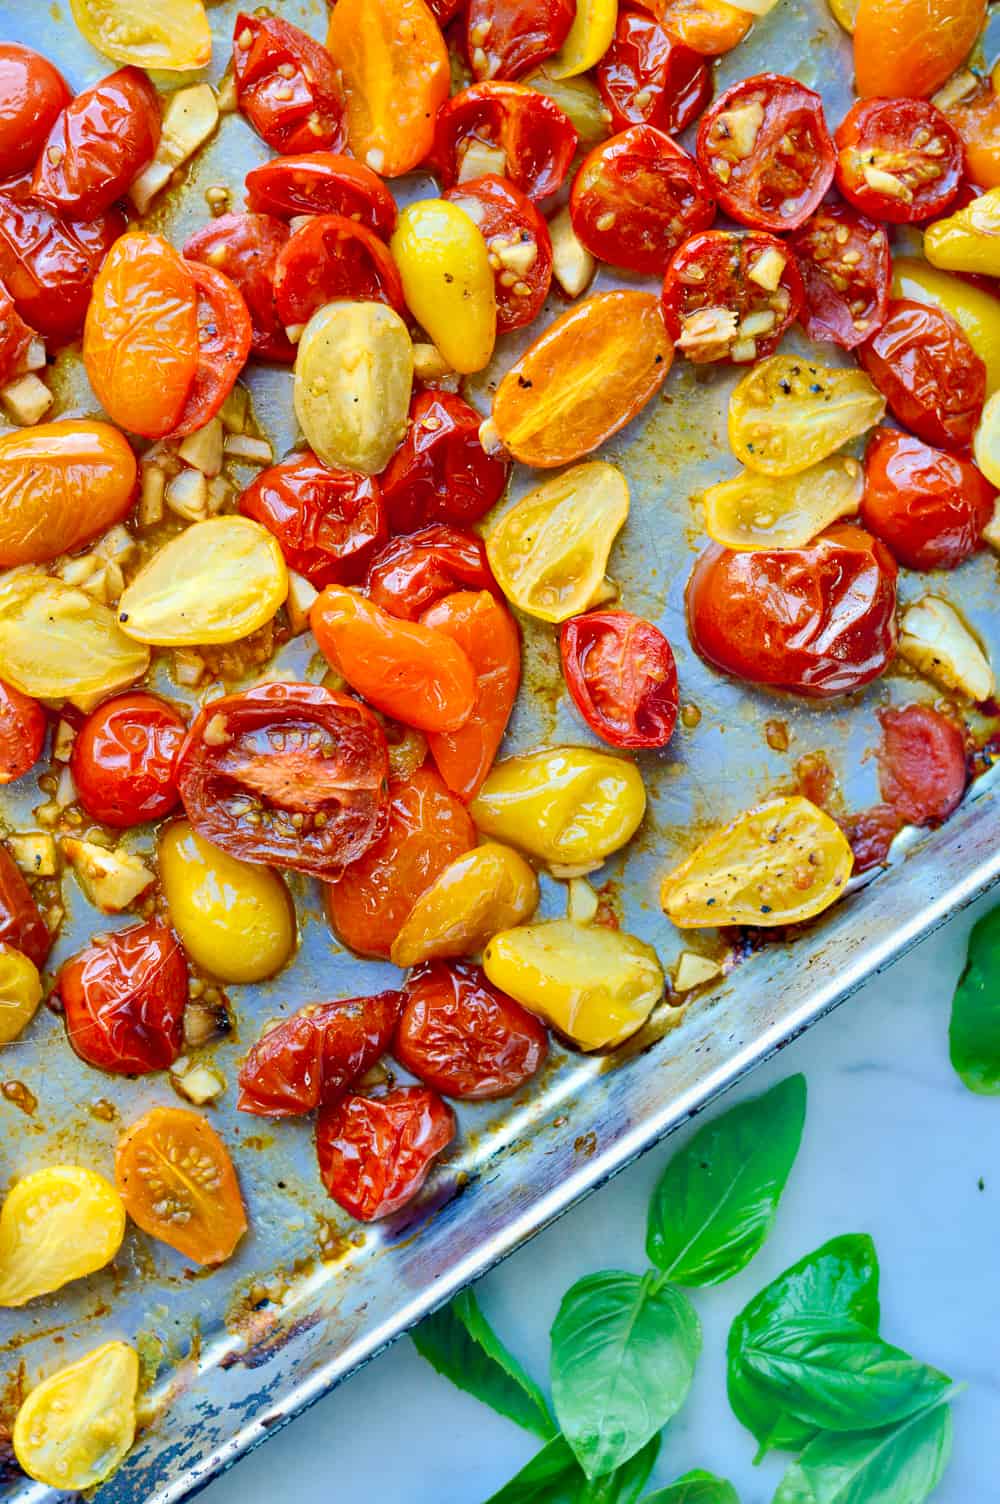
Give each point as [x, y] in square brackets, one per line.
[322, 182]
[766, 152]
[519, 245]
[464, 1037]
[928, 372]
[415, 570]
[731, 297]
[922, 770]
[98, 145]
[286, 85]
[911, 47]
[537, 139]
[246, 248]
[225, 335]
[288, 774]
[15, 339]
[330, 258]
[928, 506]
[819, 620]
[32, 93]
[21, 924]
[124, 998]
[846, 271]
[62, 485]
[621, 673]
[374, 1152]
[441, 472]
[870, 834]
[330, 523]
[898, 160]
[505, 38]
[428, 828]
[309, 1060]
[124, 757]
[646, 77]
[977, 121]
[707, 26]
[23, 724]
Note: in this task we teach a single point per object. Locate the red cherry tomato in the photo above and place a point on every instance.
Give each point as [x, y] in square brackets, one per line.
[621, 673]
[898, 159]
[505, 38]
[225, 335]
[246, 248]
[124, 757]
[374, 1152]
[330, 523]
[928, 372]
[15, 339]
[310, 1059]
[414, 571]
[441, 472]
[286, 85]
[819, 620]
[928, 506]
[648, 78]
[636, 197]
[519, 245]
[922, 769]
[535, 135]
[463, 1036]
[287, 774]
[444, 11]
[98, 145]
[766, 152]
[123, 999]
[322, 182]
[32, 93]
[23, 724]
[331, 258]
[720, 291]
[428, 829]
[870, 835]
[21, 923]
[846, 271]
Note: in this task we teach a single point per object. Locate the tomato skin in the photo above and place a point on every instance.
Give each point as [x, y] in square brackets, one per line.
[225, 335]
[15, 339]
[124, 998]
[23, 724]
[977, 121]
[845, 315]
[32, 93]
[330, 523]
[870, 834]
[246, 248]
[21, 923]
[322, 182]
[911, 141]
[62, 485]
[441, 472]
[123, 760]
[928, 372]
[287, 750]
[621, 674]
[930, 507]
[414, 571]
[536, 135]
[331, 258]
[710, 27]
[98, 145]
[648, 78]
[921, 764]
[311, 1058]
[508, 219]
[713, 271]
[301, 110]
[912, 47]
[819, 621]
[505, 38]
[374, 1152]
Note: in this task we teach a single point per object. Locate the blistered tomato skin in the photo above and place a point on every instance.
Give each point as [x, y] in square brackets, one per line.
[123, 999]
[928, 506]
[178, 1184]
[911, 47]
[646, 77]
[621, 674]
[464, 1037]
[62, 485]
[286, 85]
[56, 1225]
[846, 269]
[78, 1425]
[731, 297]
[506, 38]
[309, 1060]
[322, 182]
[20, 993]
[245, 248]
[98, 145]
[441, 472]
[922, 764]
[375, 1152]
[490, 888]
[32, 93]
[448, 281]
[417, 569]
[898, 160]
[21, 924]
[518, 245]
[928, 372]
[329, 523]
[537, 139]
[123, 760]
[329, 258]
[23, 724]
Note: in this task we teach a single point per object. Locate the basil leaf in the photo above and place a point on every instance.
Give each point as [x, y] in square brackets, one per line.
[717, 1198]
[975, 1010]
[553, 1476]
[626, 1483]
[459, 1343]
[901, 1464]
[623, 1355]
[695, 1488]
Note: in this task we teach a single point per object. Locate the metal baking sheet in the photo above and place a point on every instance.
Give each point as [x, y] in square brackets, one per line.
[230, 1355]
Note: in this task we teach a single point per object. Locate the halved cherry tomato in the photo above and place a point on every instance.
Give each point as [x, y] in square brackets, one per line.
[922, 770]
[766, 152]
[428, 828]
[731, 297]
[912, 47]
[287, 774]
[977, 121]
[329, 258]
[374, 1152]
[322, 182]
[707, 26]
[62, 485]
[174, 1174]
[309, 1060]
[928, 372]
[898, 160]
[621, 673]
[225, 335]
[286, 85]
[441, 472]
[98, 145]
[414, 571]
[505, 38]
[928, 506]
[124, 998]
[123, 760]
[246, 248]
[537, 139]
[32, 93]
[819, 620]
[21, 925]
[647, 77]
[15, 339]
[519, 245]
[23, 724]
[329, 523]
[846, 271]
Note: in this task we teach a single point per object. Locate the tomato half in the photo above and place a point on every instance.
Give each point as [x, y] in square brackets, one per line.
[505, 38]
[536, 137]
[309, 1060]
[929, 374]
[286, 85]
[225, 336]
[707, 26]
[124, 757]
[928, 506]
[288, 774]
[32, 93]
[62, 485]
[415, 570]
[330, 523]
[15, 339]
[519, 245]
[621, 673]
[898, 160]
[330, 258]
[846, 271]
[912, 47]
[731, 297]
[23, 724]
[124, 999]
[21, 924]
[374, 1152]
[246, 248]
[98, 145]
[322, 182]
[441, 472]
[766, 152]
[922, 769]
[646, 77]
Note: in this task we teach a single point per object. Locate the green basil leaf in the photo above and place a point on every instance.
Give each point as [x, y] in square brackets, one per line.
[553, 1476]
[626, 1483]
[695, 1488]
[975, 1010]
[623, 1354]
[901, 1464]
[459, 1342]
[717, 1198]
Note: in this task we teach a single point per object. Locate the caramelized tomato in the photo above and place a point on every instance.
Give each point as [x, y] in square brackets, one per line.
[646, 77]
[32, 94]
[414, 571]
[23, 724]
[374, 1152]
[225, 335]
[124, 758]
[124, 998]
[329, 523]
[870, 834]
[731, 297]
[536, 138]
[309, 1060]
[930, 507]
[441, 472]
[505, 38]
[707, 26]
[620, 671]
[331, 258]
[911, 47]
[922, 768]
[21, 925]
[322, 182]
[898, 160]
[98, 145]
[15, 340]
[62, 485]
[286, 85]
[846, 272]
[929, 374]
[246, 248]
[520, 248]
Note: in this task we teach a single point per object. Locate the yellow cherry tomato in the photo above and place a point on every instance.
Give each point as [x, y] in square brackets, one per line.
[57, 642]
[590, 36]
[488, 889]
[234, 920]
[448, 281]
[596, 986]
[580, 99]
[171, 36]
[76, 1427]
[550, 551]
[969, 239]
[353, 379]
[782, 511]
[845, 13]
[570, 807]
[217, 581]
[779, 864]
[56, 1225]
[788, 413]
[975, 311]
[986, 444]
[20, 993]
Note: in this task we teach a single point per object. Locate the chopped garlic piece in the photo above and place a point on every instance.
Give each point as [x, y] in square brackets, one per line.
[708, 333]
[35, 854]
[489, 437]
[26, 400]
[62, 742]
[189, 118]
[233, 412]
[116, 545]
[111, 880]
[572, 264]
[880, 181]
[299, 601]
[481, 159]
[741, 126]
[154, 485]
[429, 364]
[768, 270]
[935, 639]
[199, 1083]
[203, 448]
[239, 446]
[693, 971]
[187, 495]
[582, 902]
[755, 324]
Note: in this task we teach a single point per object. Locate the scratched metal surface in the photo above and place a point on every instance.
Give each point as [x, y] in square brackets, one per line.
[231, 1354]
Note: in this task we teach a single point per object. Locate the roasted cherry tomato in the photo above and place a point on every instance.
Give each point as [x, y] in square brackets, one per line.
[646, 77]
[62, 485]
[98, 145]
[928, 372]
[448, 281]
[928, 506]
[731, 297]
[428, 828]
[21, 925]
[77, 1426]
[124, 998]
[977, 121]
[57, 1225]
[487, 633]
[123, 760]
[489, 889]
[520, 248]
[819, 620]
[309, 1060]
[505, 38]
[32, 94]
[23, 724]
[898, 160]
[870, 834]
[322, 182]
[286, 85]
[329, 258]
[330, 523]
[620, 671]
[707, 26]
[20, 993]
[922, 769]
[225, 336]
[441, 472]
[246, 248]
[15, 340]
[374, 1152]
[414, 571]
[535, 139]
[846, 269]
[174, 1174]
[766, 152]
[787, 414]
[911, 47]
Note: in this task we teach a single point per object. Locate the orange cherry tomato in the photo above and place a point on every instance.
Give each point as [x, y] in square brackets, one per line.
[710, 27]
[909, 48]
[23, 724]
[61, 485]
[977, 120]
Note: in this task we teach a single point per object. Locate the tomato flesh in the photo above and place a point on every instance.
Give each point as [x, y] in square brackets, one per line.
[646, 77]
[714, 305]
[330, 523]
[870, 834]
[286, 85]
[23, 724]
[846, 268]
[621, 674]
[32, 94]
[520, 248]
[310, 1059]
[225, 335]
[124, 998]
[538, 140]
[441, 472]
[322, 182]
[928, 506]
[414, 571]
[98, 145]
[330, 258]
[123, 760]
[246, 248]
[375, 1152]
[898, 160]
[924, 366]
[921, 764]
[505, 38]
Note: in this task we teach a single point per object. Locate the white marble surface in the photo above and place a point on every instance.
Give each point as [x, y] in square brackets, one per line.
[894, 1146]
